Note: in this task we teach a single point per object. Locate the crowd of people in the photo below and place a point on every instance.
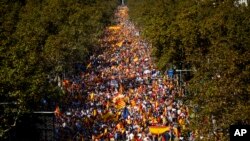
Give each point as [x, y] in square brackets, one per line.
[122, 94]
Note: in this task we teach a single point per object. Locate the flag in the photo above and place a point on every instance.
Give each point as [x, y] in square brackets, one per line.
[114, 27]
[92, 96]
[57, 111]
[107, 115]
[119, 44]
[118, 126]
[140, 108]
[94, 112]
[107, 105]
[165, 110]
[120, 104]
[156, 104]
[140, 90]
[136, 59]
[158, 129]
[181, 121]
[89, 65]
[176, 132]
[132, 102]
[65, 83]
[117, 97]
[121, 89]
[125, 113]
[105, 130]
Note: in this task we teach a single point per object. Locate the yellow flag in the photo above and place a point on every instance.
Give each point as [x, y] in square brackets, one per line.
[105, 131]
[92, 96]
[136, 59]
[158, 129]
[132, 102]
[176, 131]
[94, 112]
[89, 65]
[181, 121]
[114, 27]
[119, 44]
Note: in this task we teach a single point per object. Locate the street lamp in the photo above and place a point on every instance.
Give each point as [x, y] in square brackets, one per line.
[181, 75]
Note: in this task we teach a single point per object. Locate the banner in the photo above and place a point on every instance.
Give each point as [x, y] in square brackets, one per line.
[158, 129]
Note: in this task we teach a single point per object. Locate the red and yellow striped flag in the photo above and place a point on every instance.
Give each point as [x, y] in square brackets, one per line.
[120, 104]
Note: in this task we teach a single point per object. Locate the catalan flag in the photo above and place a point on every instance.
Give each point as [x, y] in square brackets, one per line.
[117, 97]
[120, 104]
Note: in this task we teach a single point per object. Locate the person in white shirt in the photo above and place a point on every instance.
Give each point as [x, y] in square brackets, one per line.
[131, 136]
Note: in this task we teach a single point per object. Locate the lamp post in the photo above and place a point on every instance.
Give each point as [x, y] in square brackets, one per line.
[180, 79]
[181, 72]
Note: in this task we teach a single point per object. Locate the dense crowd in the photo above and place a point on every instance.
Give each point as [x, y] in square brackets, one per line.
[121, 94]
